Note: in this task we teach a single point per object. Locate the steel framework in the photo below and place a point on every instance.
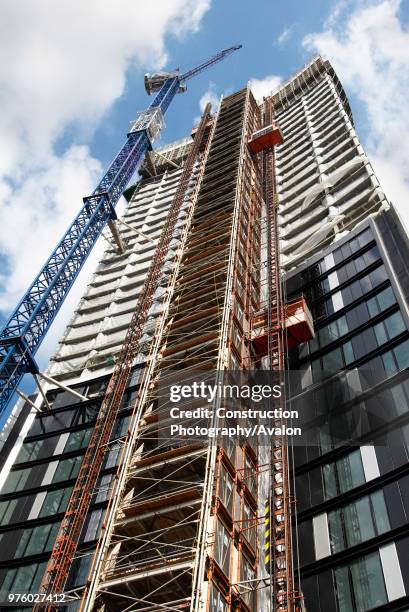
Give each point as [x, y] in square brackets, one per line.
[166, 487]
[26, 327]
[280, 558]
[203, 504]
[67, 539]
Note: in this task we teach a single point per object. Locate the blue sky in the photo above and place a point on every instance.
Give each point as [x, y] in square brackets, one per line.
[72, 78]
[226, 23]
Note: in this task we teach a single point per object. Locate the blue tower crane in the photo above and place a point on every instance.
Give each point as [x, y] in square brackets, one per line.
[26, 327]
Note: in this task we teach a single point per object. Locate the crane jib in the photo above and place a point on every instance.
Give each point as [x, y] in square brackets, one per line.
[26, 327]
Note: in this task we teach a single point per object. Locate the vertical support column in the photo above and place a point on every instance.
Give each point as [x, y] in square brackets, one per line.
[282, 592]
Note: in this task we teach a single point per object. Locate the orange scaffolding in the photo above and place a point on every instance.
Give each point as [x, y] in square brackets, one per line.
[67, 540]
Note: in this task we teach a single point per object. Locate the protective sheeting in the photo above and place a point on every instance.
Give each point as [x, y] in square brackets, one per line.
[314, 240]
[317, 211]
[97, 331]
[313, 208]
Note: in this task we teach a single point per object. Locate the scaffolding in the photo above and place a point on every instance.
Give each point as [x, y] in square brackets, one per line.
[57, 571]
[185, 524]
[164, 544]
[280, 546]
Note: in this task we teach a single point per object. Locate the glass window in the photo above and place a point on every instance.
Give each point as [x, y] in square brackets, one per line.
[313, 344]
[22, 545]
[380, 512]
[93, 525]
[401, 353]
[330, 482]
[353, 291]
[55, 501]
[394, 325]
[45, 424]
[398, 398]
[239, 313]
[371, 256]
[23, 579]
[120, 428]
[217, 602]
[342, 326]
[350, 471]
[222, 547]
[248, 576]
[348, 352]
[316, 370]
[17, 481]
[389, 363]
[29, 451]
[236, 336]
[378, 276]
[343, 475]
[368, 582]
[79, 573]
[354, 245]
[37, 540]
[226, 490]
[405, 436]
[360, 586]
[365, 237]
[386, 298]
[333, 361]
[343, 590]
[380, 333]
[234, 363]
[104, 488]
[346, 250]
[332, 332]
[6, 510]
[67, 468]
[338, 328]
[249, 523]
[373, 307]
[112, 457]
[358, 521]
[85, 414]
[77, 440]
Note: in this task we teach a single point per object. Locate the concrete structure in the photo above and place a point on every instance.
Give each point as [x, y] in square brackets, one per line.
[185, 527]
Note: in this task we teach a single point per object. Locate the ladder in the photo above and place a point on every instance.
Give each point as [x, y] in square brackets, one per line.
[280, 536]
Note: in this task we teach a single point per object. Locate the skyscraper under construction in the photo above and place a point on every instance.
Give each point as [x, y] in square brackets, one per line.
[262, 242]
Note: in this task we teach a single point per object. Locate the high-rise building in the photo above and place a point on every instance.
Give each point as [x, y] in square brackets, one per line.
[296, 237]
[344, 249]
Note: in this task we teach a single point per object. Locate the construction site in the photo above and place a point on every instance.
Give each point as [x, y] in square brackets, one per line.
[237, 252]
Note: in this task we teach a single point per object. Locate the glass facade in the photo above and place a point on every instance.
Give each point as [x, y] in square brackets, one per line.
[360, 585]
[353, 503]
[35, 494]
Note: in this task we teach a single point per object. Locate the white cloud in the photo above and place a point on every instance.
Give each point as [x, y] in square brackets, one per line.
[264, 87]
[285, 35]
[210, 96]
[64, 65]
[42, 206]
[368, 49]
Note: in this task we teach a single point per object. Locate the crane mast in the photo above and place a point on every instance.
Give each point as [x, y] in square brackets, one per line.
[28, 324]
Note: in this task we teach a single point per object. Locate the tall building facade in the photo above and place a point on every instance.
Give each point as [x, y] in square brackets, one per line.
[187, 522]
[344, 249]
